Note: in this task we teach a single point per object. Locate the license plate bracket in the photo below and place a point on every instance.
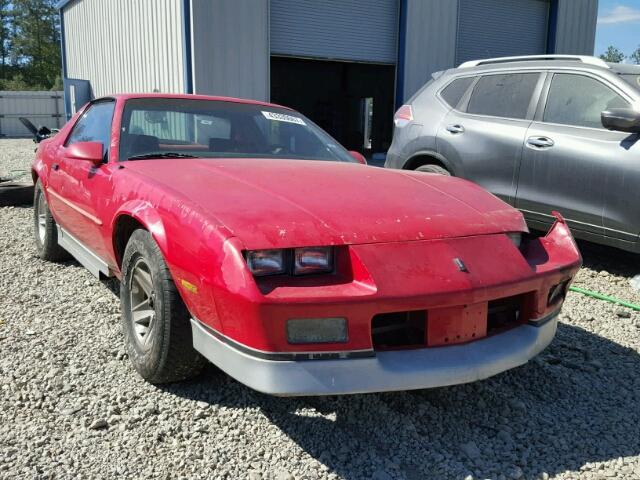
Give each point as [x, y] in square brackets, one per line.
[454, 325]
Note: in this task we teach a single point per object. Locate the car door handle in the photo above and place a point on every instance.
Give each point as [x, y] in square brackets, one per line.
[55, 166]
[540, 142]
[455, 129]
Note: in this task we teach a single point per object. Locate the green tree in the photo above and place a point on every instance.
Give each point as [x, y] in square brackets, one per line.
[612, 55]
[36, 41]
[5, 34]
[635, 56]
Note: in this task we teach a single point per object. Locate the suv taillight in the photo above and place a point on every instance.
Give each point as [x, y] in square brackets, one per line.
[403, 116]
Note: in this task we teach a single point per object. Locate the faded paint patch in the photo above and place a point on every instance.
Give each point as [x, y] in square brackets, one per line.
[189, 286]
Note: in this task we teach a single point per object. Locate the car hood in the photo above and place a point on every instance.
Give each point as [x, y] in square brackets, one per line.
[287, 203]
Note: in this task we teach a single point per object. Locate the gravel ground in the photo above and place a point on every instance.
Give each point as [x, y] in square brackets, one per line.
[71, 405]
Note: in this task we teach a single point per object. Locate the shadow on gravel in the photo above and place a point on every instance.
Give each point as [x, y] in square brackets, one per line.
[576, 403]
[613, 260]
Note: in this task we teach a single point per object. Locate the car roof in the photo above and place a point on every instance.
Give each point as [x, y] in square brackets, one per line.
[188, 96]
[625, 68]
[534, 61]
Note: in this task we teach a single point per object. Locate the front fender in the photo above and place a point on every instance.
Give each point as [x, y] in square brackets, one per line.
[145, 213]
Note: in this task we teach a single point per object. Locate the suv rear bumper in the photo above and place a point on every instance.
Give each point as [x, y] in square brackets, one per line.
[380, 371]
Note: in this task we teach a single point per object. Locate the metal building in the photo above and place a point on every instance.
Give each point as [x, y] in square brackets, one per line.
[346, 64]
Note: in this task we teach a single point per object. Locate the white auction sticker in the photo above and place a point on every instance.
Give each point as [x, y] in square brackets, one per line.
[281, 117]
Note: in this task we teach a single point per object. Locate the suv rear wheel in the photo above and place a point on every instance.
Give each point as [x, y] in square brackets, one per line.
[433, 169]
[155, 320]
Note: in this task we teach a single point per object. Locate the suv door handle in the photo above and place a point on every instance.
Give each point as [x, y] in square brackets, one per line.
[455, 128]
[540, 142]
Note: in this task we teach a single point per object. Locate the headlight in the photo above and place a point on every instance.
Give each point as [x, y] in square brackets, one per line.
[312, 260]
[297, 261]
[516, 238]
[266, 262]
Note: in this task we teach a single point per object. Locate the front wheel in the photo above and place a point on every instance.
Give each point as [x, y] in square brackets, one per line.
[155, 321]
[45, 229]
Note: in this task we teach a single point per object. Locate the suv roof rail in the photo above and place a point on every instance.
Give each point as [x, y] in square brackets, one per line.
[525, 58]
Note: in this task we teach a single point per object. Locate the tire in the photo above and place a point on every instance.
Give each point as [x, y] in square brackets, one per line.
[45, 229]
[433, 169]
[157, 338]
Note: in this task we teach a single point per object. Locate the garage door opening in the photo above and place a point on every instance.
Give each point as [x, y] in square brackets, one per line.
[354, 102]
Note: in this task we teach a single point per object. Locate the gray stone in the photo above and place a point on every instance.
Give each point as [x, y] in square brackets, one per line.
[470, 449]
[98, 424]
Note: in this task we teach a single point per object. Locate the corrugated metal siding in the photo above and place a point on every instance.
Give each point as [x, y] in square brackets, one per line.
[41, 107]
[430, 41]
[576, 26]
[360, 30]
[231, 48]
[125, 45]
[501, 28]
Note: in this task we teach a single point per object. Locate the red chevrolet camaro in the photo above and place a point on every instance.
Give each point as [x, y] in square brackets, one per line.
[243, 234]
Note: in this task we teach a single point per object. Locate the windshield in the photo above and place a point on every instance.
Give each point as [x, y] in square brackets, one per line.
[188, 128]
[633, 79]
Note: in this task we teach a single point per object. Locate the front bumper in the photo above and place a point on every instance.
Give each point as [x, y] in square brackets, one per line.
[381, 372]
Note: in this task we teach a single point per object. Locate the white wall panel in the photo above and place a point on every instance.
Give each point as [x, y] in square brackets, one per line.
[41, 107]
[430, 41]
[125, 45]
[501, 28]
[576, 26]
[231, 48]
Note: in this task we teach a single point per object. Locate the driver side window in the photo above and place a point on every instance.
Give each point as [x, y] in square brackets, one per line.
[579, 100]
[94, 125]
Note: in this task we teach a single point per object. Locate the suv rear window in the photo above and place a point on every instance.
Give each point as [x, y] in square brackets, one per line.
[452, 93]
[506, 95]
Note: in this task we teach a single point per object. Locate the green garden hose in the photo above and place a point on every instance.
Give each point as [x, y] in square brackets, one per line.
[606, 298]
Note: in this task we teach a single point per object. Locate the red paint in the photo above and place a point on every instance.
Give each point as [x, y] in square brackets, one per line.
[396, 234]
[358, 156]
[459, 324]
[90, 151]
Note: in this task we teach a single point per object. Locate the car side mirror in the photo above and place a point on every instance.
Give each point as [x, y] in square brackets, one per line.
[358, 157]
[89, 151]
[621, 120]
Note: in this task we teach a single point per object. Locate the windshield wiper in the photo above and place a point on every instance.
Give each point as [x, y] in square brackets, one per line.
[161, 155]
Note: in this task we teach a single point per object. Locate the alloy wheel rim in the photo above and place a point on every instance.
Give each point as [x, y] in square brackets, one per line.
[42, 218]
[142, 303]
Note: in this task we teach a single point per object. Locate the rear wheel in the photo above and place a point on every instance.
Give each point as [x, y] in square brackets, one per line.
[433, 169]
[155, 321]
[45, 229]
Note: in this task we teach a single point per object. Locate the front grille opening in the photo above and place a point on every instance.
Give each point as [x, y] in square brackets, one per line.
[504, 313]
[398, 330]
[557, 292]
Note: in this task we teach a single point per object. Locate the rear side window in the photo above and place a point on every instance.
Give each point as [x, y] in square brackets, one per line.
[579, 100]
[94, 125]
[452, 93]
[506, 95]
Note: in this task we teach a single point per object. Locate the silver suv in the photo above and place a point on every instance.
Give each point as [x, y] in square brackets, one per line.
[543, 133]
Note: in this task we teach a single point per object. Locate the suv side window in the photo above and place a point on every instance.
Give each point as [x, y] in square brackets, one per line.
[452, 93]
[578, 100]
[94, 125]
[505, 95]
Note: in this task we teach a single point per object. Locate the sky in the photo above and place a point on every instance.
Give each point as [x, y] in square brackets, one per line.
[618, 25]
